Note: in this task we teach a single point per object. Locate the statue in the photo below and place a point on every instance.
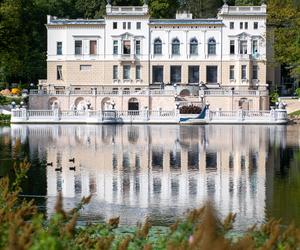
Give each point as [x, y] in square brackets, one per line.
[109, 2]
[146, 2]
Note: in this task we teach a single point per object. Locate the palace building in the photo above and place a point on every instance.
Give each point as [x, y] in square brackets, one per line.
[129, 61]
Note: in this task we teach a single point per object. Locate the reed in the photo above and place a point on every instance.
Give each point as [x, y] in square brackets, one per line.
[22, 227]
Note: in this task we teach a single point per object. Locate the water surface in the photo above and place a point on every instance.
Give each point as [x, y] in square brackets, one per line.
[161, 171]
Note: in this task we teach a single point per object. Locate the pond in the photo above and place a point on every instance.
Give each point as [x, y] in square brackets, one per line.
[160, 171]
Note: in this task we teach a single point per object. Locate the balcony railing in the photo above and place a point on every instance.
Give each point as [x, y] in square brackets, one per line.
[104, 92]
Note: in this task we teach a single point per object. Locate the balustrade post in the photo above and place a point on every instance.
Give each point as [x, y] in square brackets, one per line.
[56, 114]
[146, 114]
[24, 114]
[273, 114]
[240, 115]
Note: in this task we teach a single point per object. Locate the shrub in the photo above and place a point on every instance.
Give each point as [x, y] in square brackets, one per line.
[190, 109]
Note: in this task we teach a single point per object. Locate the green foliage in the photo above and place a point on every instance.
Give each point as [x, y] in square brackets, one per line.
[284, 24]
[274, 97]
[4, 118]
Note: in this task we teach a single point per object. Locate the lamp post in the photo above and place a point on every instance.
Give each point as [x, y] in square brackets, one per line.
[13, 104]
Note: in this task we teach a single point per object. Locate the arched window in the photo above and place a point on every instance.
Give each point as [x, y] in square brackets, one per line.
[194, 46]
[211, 46]
[157, 46]
[175, 47]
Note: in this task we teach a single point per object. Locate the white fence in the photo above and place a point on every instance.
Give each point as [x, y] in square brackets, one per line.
[278, 116]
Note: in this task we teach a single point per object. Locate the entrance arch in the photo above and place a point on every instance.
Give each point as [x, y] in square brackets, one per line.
[133, 104]
[53, 103]
[80, 104]
[244, 104]
[185, 92]
[106, 104]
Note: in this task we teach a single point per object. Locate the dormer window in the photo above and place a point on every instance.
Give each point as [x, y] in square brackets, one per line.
[175, 47]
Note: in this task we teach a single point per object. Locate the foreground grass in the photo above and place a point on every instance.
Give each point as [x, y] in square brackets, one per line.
[23, 227]
[295, 114]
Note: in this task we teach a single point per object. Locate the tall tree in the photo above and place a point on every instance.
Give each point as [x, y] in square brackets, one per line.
[163, 8]
[284, 27]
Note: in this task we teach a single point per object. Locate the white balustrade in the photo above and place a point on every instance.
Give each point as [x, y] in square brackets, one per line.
[145, 116]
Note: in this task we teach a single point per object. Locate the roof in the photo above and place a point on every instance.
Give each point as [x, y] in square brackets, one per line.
[186, 21]
[76, 21]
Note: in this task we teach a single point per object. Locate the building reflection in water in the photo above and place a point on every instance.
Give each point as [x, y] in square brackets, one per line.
[157, 171]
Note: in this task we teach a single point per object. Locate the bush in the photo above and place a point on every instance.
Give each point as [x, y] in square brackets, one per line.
[297, 92]
[23, 227]
[190, 109]
[4, 118]
[274, 97]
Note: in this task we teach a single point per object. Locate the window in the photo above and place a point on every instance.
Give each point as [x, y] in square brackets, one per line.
[231, 72]
[175, 74]
[85, 67]
[232, 47]
[157, 47]
[115, 25]
[175, 47]
[137, 47]
[93, 47]
[244, 72]
[243, 47]
[255, 72]
[138, 25]
[115, 49]
[129, 25]
[211, 74]
[138, 72]
[255, 25]
[124, 25]
[194, 46]
[126, 72]
[211, 46]
[78, 47]
[246, 25]
[241, 25]
[59, 48]
[193, 74]
[157, 74]
[254, 47]
[126, 47]
[115, 72]
[231, 25]
[59, 75]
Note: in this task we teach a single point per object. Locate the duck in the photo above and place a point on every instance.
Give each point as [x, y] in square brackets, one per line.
[50, 164]
[72, 168]
[58, 169]
[72, 160]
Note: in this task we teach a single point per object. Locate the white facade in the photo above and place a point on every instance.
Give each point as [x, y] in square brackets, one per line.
[127, 52]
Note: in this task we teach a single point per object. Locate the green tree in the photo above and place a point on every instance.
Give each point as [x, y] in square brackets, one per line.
[163, 8]
[284, 27]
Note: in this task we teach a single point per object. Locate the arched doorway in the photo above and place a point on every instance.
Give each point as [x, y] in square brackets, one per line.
[106, 104]
[184, 92]
[80, 104]
[133, 104]
[53, 103]
[244, 104]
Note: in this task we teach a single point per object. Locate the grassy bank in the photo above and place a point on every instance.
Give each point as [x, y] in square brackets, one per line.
[23, 227]
[4, 118]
